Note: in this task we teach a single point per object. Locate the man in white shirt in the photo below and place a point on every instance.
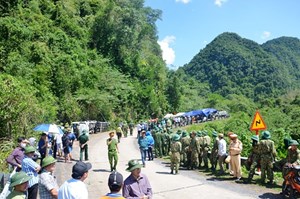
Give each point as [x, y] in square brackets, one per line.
[75, 187]
[221, 152]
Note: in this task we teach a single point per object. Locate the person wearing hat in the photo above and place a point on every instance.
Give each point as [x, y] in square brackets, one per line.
[185, 143]
[143, 145]
[267, 156]
[19, 185]
[31, 168]
[221, 152]
[253, 157]
[136, 185]
[113, 151]
[214, 151]
[83, 144]
[75, 187]
[176, 148]
[235, 149]
[48, 187]
[115, 183]
[195, 151]
[16, 157]
[293, 156]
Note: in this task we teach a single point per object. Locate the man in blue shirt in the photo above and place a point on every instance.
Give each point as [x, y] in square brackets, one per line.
[31, 168]
[143, 143]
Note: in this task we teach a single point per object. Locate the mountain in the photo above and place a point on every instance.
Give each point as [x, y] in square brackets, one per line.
[231, 64]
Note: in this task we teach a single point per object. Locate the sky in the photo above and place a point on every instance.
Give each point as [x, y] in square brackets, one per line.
[187, 26]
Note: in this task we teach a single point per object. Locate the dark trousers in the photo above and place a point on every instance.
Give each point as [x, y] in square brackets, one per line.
[119, 135]
[54, 149]
[33, 191]
[150, 153]
[85, 151]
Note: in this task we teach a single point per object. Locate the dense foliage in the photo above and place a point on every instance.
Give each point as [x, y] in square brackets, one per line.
[78, 60]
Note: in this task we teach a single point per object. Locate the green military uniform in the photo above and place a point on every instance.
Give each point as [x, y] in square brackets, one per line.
[195, 151]
[165, 144]
[158, 144]
[200, 142]
[267, 153]
[253, 158]
[205, 147]
[175, 153]
[112, 153]
[131, 126]
[293, 156]
[185, 142]
[214, 152]
[83, 139]
[125, 129]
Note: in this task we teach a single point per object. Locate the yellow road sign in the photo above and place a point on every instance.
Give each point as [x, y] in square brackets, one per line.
[258, 123]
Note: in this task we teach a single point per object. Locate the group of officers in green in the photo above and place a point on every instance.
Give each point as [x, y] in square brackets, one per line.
[190, 150]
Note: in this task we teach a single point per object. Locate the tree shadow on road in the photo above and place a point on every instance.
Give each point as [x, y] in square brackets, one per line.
[102, 170]
[270, 196]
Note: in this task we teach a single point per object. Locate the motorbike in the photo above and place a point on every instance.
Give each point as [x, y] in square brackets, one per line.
[291, 183]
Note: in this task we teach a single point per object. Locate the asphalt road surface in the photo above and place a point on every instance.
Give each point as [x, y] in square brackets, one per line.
[187, 184]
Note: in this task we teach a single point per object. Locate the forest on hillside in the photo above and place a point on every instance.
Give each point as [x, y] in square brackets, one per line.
[70, 60]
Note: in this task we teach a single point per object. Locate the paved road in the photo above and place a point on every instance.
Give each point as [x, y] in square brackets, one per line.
[187, 184]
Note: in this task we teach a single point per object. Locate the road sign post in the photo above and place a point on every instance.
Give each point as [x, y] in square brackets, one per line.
[258, 123]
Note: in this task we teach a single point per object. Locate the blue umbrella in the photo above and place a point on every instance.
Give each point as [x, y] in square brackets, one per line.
[50, 128]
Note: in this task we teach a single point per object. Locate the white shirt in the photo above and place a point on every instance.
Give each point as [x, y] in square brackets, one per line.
[221, 147]
[73, 189]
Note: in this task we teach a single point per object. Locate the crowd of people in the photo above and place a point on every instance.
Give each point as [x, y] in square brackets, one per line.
[211, 151]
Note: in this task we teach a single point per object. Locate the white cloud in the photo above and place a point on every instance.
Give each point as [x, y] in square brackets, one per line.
[184, 1]
[266, 35]
[219, 3]
[168, 52]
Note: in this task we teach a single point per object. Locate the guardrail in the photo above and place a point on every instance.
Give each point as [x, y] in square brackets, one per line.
[5, 190]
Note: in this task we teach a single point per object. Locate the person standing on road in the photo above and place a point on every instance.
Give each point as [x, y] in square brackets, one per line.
[150, 145]
[75, 187]
[253, 158]
[195, 151]
[19, 185]
[131, 126]
[113, 151]
[119, 133]
[235, 149]
[176, 148]
[214, 151]
[221, 152]
[136, 185]
[83, 144]
[143, 143]
[48, 187]
[267, 156]
[31, 168]
[115, 184]
[66, 149]
[43, 145]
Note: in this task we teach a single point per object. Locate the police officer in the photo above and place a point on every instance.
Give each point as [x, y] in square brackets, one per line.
[267, 154]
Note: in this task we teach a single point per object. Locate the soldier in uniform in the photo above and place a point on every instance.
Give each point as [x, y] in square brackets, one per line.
[214, 151]
[253, 158]
[165, 144]
[185, 142]
[205, 148]
[175, 153]
[267, 156]
[158, 139]
[199, 136]
[131, 126]
[293, 156]
[83, 143]
[125, 129]
[195, 151]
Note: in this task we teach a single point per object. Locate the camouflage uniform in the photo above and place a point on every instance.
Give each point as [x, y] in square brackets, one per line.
[125, 129]
[200, 143]
[267, 153]
[293, 156]
[195, 151]
[158, 138]
[175, 153]
[214, 152]
[205, 148]
[165, 143]
[253, 158]
[185, 142]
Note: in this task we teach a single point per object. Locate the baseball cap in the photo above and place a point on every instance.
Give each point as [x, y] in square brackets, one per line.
[115, 179]
[80, 168]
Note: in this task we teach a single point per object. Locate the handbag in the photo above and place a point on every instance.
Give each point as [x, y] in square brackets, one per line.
[227, 159]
